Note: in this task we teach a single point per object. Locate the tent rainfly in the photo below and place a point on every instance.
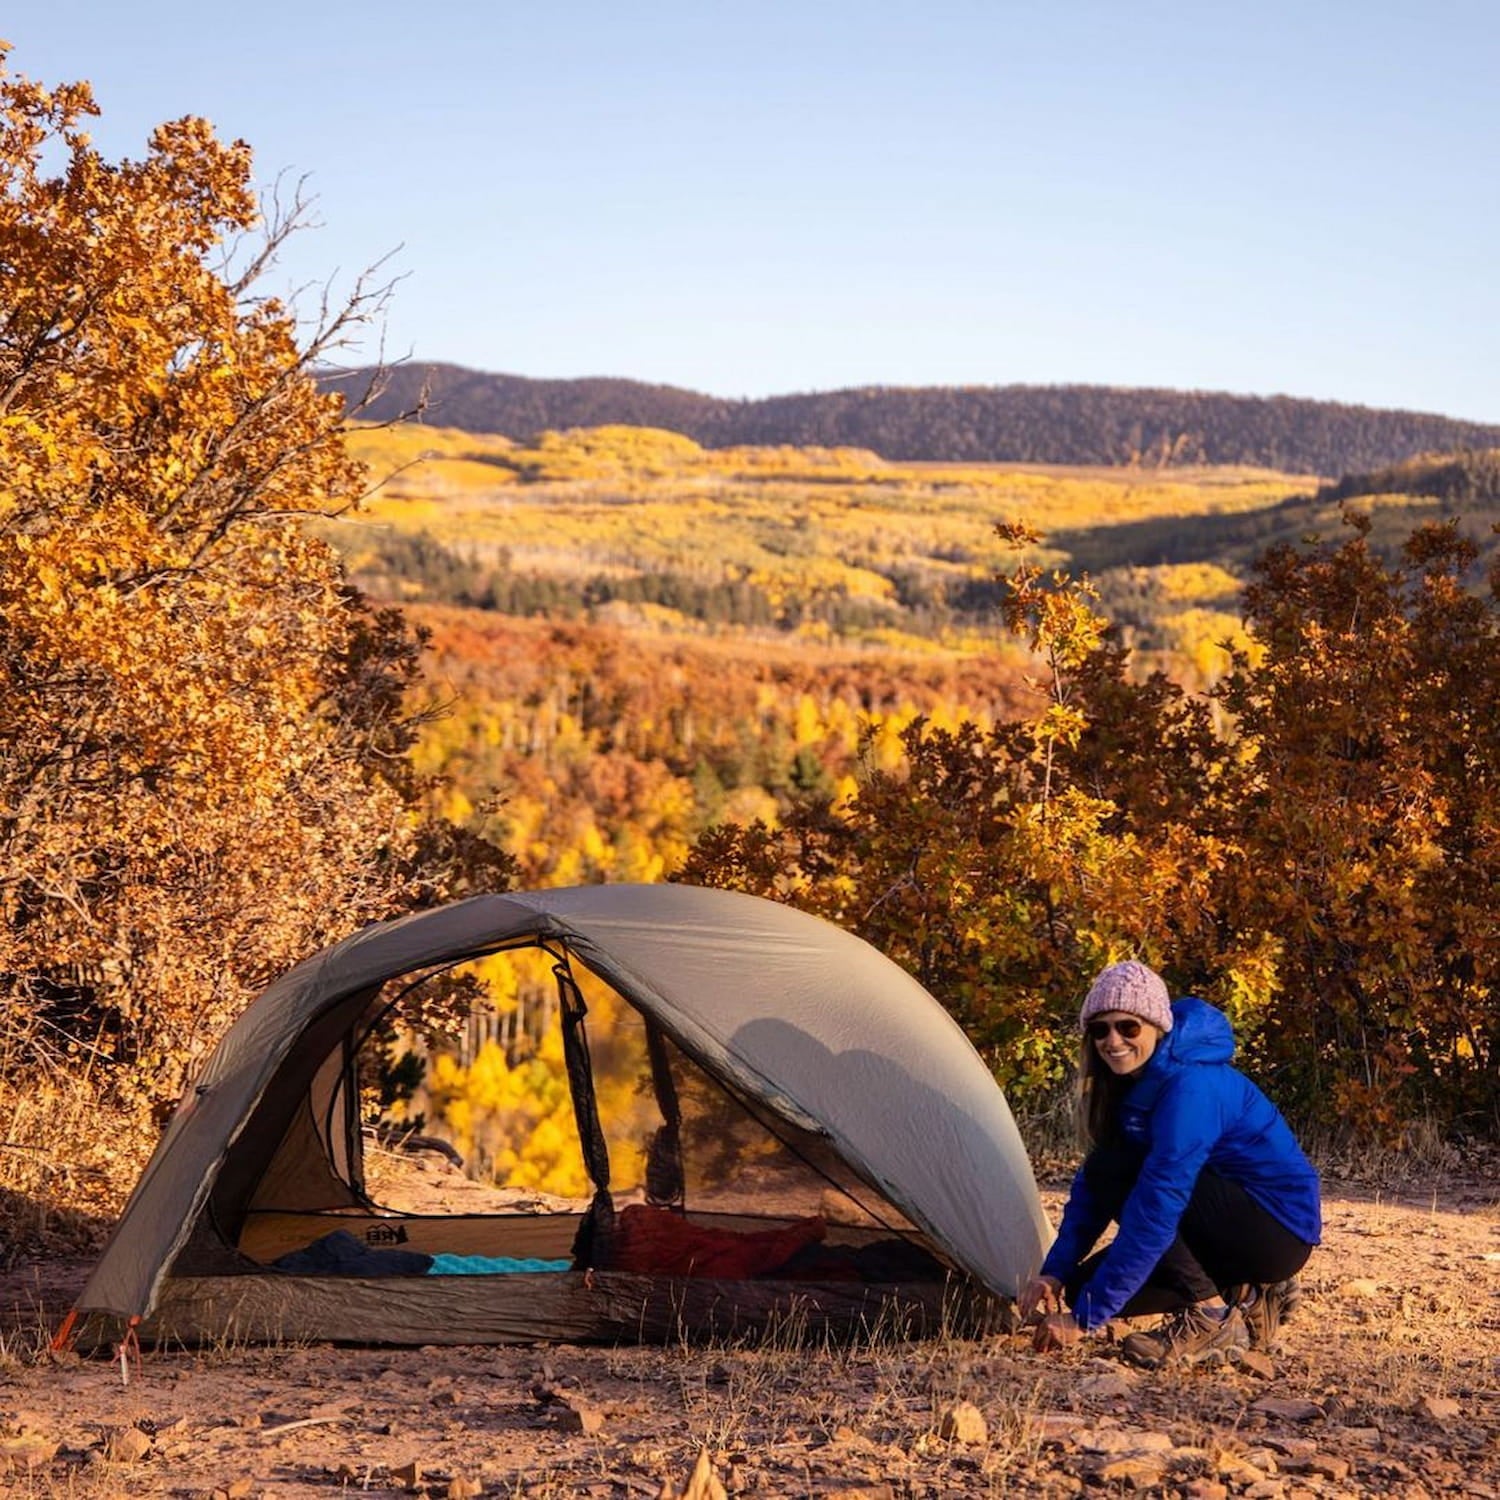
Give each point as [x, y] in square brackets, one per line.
[253, 1221]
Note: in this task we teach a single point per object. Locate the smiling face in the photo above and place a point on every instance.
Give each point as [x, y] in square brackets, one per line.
[1122, 1053]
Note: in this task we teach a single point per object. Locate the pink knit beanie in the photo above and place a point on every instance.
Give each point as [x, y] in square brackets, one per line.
[1130, 987]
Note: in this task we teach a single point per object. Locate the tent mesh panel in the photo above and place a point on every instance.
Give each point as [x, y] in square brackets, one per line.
[657, 1128]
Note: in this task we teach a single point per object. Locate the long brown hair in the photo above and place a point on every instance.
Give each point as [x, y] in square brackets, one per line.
[1100, 1090]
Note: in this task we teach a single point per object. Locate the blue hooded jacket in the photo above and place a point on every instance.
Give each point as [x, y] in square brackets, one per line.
[1189, 1110]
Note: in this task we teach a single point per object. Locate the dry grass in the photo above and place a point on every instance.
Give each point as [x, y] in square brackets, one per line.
[63, 1161]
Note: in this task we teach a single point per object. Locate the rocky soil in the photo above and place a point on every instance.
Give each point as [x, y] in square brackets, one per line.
[1386, 1384]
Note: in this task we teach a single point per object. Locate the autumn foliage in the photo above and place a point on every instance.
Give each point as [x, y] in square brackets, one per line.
[1366, 807]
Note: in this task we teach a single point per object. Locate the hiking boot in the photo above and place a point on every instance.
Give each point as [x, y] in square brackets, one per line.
[1189, 1337]
[1266, 1308]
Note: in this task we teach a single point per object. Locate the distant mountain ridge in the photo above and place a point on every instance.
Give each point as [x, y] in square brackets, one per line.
[1067, 424]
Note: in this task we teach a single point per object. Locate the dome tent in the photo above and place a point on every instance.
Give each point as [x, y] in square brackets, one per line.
[805, 1025]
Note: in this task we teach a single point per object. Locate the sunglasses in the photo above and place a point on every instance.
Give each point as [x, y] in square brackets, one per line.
[1129, 1029]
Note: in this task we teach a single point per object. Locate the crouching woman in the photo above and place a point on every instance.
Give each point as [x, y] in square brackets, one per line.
[1217, 1207]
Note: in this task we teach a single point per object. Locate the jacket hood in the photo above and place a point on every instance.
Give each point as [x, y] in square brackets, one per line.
[1200, 1033]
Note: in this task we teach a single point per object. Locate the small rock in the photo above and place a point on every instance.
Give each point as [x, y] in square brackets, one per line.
[1136, 1470]
[1109, 1387]
[1205, 1489]
[1361, 1287]
[1253, 1362]
[1327, 1466]
[408, 1476]
[1293, 1449]
[460, 1488]
[964, 1423]
[1438, 1408]
[1153, 1442]
[127, 1445]
[1289, 1409]
[579, 1416]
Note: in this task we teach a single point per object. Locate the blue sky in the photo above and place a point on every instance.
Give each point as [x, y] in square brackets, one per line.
[747, 199]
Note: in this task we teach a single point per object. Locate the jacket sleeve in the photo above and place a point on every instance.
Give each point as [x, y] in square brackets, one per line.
[1185, 1123]
[1083, 1221]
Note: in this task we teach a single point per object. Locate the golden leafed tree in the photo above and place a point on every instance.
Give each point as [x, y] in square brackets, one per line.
[201, 726]
[1367, 821]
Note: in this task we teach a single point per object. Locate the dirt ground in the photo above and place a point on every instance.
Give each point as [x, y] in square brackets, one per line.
[1387, 1383]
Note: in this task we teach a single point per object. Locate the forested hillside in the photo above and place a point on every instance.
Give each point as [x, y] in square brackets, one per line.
[1463, 487]
[596, 753]
[1071, 424]
[635, 526]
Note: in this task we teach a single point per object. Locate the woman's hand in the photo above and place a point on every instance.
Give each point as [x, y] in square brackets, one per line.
[1042, 1294]
[1057, 1330]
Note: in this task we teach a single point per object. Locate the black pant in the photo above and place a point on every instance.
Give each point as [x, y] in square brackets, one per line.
[1225, 1237]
